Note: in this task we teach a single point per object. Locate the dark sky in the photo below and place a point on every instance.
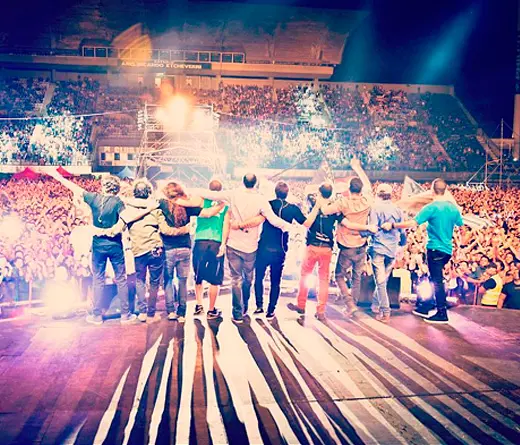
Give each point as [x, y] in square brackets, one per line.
[467, 43]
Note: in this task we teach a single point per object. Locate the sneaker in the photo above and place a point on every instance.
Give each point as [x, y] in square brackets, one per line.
[172, 316]
[295, 308]
[440, 317]
[383, 317]
[374, 309]
[348, 311]
[215, 313]
[320, 317]
[198, 309]
[142, 317]
[258, 310]
[421, 311]
[128, 318]
[153, 319]
[270, 315]
[238, 320]
[94, 319]
[181, 318]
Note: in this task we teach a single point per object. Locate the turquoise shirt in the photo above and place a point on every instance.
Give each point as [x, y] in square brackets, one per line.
[442, 217]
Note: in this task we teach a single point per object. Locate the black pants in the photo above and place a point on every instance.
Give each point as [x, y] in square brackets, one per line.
[99, 265]
[436, 262]
[274, 259]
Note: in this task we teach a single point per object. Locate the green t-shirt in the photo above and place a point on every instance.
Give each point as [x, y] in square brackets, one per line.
[442, 217]
[210, 229]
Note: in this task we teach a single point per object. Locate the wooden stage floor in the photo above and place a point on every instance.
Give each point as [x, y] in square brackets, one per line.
[286, 381]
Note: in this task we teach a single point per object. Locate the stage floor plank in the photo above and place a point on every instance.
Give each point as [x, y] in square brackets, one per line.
[293, 380]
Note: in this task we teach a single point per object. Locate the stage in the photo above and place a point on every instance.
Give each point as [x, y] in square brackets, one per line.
[291, 380]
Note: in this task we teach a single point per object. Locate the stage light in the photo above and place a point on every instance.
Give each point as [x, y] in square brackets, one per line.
[425, 290]
[61, 298]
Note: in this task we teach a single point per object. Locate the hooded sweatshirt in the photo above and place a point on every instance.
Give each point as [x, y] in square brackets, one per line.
[144, 233]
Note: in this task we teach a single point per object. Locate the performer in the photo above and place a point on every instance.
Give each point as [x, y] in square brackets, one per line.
[442, 216]
[145, 224]
[352, 245]
[383, 248]
[273, 246]
[246, 203]
[178, 250]
[320, 241]
[106, 208]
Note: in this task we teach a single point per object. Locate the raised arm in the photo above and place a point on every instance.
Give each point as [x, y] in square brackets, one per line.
[73, 187]
[356, 166]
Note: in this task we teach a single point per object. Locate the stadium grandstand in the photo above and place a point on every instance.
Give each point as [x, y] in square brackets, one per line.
[75, 100]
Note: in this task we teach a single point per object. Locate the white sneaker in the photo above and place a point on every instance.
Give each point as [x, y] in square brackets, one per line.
[128, 318]
[142, 317]
[172, 316]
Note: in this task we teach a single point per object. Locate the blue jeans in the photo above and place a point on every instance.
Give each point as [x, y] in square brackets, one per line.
[383, 266]
[99, 264]
[177, 261]
[241, 267]
[274, 259]
[152, 262]
[348, 257]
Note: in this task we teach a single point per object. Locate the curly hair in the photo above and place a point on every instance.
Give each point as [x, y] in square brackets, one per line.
[142, 188]
[111, 185]
[173, 191]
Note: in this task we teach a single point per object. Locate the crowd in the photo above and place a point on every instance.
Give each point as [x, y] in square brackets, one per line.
[37, 218]
[387, 129]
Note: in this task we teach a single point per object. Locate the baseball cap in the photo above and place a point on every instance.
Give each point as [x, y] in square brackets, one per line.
[384, 189]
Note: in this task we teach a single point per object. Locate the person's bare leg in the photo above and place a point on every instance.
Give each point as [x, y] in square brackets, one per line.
[199, 291]
[213, 294]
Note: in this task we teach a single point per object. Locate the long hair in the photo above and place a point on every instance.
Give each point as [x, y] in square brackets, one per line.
[173, 191]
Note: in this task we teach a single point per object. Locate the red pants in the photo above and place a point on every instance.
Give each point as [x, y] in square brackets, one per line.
[322, 256]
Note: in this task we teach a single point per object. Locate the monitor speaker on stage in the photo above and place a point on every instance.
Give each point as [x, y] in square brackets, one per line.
[368, 288]
[111, 304]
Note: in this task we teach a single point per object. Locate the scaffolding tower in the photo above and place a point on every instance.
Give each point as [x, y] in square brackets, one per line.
[187, 154]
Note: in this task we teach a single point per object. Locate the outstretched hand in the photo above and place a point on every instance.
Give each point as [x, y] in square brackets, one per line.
[387, 226]
[373, 228]
[355, 163]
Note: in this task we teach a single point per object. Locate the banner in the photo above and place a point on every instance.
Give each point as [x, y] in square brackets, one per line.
[162, 65]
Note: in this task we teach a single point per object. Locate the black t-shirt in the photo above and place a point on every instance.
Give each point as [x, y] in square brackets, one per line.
[273, 238]
[512, 293]
[490, 283]
[321, 233]
[105, 214]
[176, 242]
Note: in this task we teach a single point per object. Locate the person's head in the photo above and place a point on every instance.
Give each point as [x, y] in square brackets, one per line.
[516, 274]
[509, 257]
[484, 261]
[355, 186]
[173, 190]
[215, 185]
[281, 190]
[439, 187]
[249, 180]
[326, 190]
[110, 185]
[492, 269]
[384, 192]
[142, 188]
